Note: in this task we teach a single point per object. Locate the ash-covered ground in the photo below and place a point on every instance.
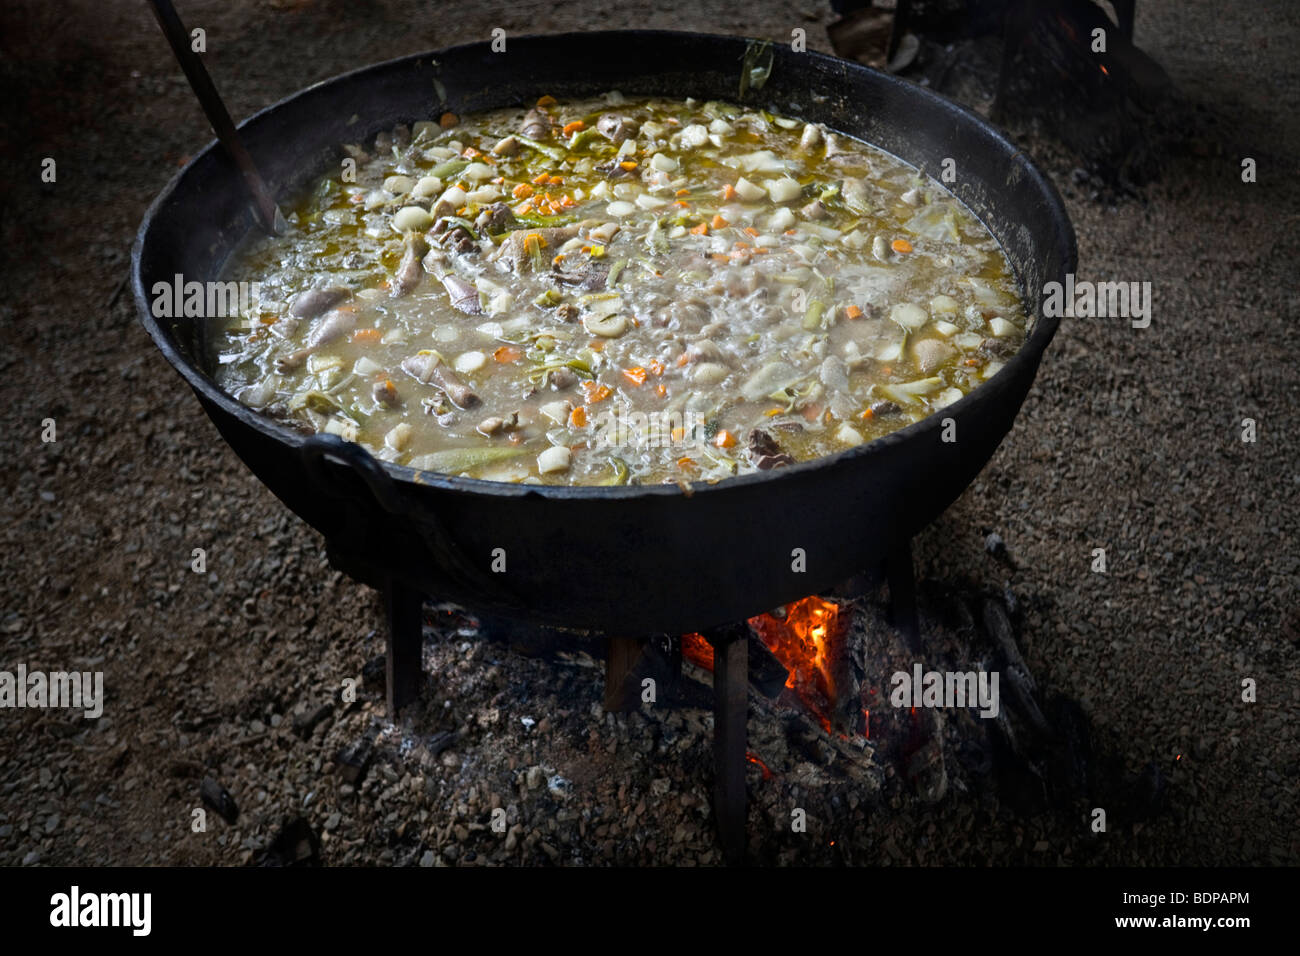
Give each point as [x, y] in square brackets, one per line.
[1131, 441]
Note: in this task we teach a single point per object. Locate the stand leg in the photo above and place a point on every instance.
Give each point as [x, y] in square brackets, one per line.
[902, 595]
[405, 611]
[620, 669]
[730, 706]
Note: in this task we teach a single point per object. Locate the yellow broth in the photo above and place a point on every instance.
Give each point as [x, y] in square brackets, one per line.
[612, 290]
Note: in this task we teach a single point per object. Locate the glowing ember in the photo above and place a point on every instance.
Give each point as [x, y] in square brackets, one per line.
[697, 650]
[755, 759]
[801, 641]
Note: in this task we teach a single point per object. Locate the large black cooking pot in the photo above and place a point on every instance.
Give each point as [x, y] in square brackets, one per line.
[621, 560]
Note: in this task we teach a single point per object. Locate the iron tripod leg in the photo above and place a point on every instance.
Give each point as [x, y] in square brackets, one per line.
[730, 709]
[902, 594]
[404, 667]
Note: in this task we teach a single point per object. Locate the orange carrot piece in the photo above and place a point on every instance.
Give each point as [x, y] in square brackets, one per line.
[578, 417]
[522, 191]
[367, 335]
[635, 375]
[718, 223]
[852, 312]
[448, 120]
[751, 230]
[901, 246]
[628, 164]
[728, 191]
[724, 439]
[507, 354]
[656, 367]
[546, 100]
[679, 434]
[576, 126]
[661, 390]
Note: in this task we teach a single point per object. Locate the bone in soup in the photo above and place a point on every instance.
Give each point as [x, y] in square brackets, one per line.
[617, 291]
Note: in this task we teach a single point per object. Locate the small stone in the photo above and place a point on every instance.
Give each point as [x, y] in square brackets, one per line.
[995, 546]
[427, 859]
[535, 777]
[332, 821]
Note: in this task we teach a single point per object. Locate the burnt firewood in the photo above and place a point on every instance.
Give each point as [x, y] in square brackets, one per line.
[218, 798]
[632, 660]
[1015, 672]
[767, 674]
[443, 740]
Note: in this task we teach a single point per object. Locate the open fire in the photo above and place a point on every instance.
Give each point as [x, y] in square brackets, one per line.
[801, 637]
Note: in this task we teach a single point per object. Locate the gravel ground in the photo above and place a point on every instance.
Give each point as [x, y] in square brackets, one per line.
[1131, 442]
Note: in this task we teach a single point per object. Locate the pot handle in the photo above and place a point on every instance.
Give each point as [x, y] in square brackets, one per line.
[314, 452]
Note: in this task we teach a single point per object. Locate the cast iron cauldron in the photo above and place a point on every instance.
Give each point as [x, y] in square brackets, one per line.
[619, 560]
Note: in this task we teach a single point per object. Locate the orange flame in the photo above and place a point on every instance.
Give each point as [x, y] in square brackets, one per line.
[801, 641]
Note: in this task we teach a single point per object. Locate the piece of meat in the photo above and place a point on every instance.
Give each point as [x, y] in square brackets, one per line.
[332, 325]
[428, 369]
[513, 248]
[463, 295]
[814, 210]
[765, 452]
[536, 125]
[409, 271]
[616, 127]
[562, 378]
[309, 304]
[453, 235]
[292, 361]
[496, 218]
[461, 395]
[590, 278]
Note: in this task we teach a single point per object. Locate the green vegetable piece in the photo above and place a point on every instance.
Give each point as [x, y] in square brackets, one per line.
[554, 152]
[452, 167]
[812, 318]
[455, 460]
[620, 473]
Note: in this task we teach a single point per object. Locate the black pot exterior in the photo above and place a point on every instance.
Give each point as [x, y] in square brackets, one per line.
[620, 560]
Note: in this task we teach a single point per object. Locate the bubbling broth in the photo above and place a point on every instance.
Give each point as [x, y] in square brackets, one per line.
[617, 291]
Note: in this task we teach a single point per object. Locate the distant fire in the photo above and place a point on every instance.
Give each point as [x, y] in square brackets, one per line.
[801, 641]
